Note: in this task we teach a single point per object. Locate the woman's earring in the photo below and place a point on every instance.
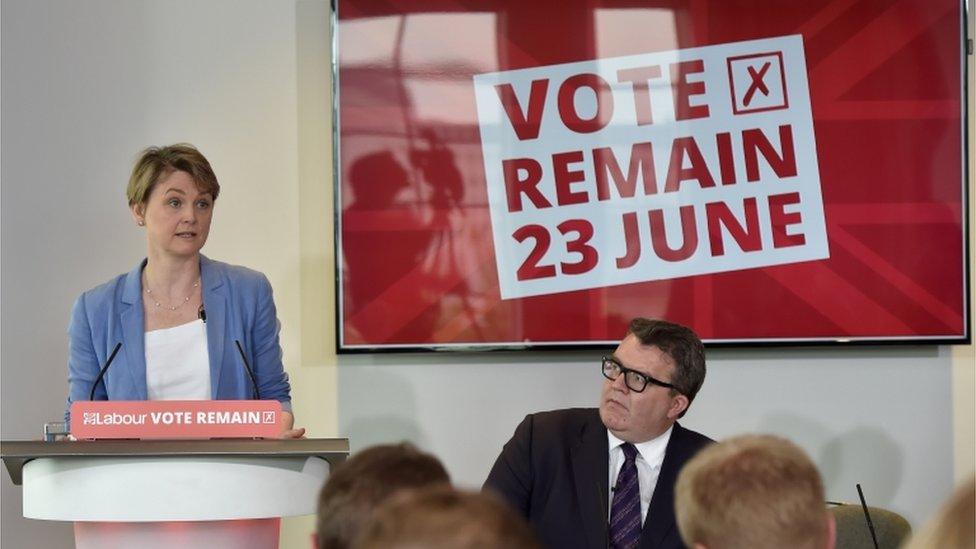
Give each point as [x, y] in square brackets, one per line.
[140, 223]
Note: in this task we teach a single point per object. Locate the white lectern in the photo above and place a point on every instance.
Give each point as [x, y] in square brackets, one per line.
[160, 493]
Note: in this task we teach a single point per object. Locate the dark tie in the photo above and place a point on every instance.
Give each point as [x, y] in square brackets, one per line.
[625, 512]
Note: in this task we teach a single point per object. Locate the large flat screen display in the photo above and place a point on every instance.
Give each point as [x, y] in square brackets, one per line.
[513, 174]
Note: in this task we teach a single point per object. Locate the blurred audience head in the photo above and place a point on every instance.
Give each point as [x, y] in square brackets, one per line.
[752, 492]
[445, 518]
[357, 486]
[953, 526]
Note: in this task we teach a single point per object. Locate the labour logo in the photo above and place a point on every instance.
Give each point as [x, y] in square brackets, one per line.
[267, 417]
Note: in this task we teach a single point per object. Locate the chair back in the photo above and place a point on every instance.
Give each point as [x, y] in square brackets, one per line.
[853, 533]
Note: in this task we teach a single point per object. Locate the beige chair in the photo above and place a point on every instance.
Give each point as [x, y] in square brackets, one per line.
[890, 528]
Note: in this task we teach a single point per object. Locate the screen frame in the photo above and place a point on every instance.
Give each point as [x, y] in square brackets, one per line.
[965, 45]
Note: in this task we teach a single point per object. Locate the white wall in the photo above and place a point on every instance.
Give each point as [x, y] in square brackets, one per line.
[84, 85]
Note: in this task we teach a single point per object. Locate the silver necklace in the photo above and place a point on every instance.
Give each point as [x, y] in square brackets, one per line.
[173, 307]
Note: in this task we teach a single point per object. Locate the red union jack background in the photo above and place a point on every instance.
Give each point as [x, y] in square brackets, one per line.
[415, 253]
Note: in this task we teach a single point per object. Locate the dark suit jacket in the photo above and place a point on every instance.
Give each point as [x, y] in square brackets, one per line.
[555, 472]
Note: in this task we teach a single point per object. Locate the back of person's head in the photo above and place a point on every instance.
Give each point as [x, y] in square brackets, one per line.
[445, 518]
[752, 492]
[953, 526]
[364, 481]
[377, 177]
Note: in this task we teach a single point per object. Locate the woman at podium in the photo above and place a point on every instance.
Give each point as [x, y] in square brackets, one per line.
[179, 326]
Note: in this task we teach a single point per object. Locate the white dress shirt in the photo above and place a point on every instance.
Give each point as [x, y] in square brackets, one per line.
[650, 456]
[178, 363]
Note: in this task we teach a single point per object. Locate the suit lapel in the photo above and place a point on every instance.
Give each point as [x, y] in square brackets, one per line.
[134, 331]
[660, 514]
[590, 458]
[215, 304]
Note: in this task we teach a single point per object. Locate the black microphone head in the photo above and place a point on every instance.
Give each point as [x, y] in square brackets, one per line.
[202, 314]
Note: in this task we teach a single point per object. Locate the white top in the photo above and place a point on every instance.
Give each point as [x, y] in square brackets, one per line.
[178, 363]
[650, 456]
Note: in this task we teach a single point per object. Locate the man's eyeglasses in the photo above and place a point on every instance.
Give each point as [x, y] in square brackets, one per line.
[634, 380]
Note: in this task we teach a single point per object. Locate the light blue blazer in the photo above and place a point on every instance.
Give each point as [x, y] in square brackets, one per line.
[239, 306]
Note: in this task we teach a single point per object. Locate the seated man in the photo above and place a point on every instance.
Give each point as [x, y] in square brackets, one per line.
[753, 492]
[444, 518]
[598, 478]
[364, 481]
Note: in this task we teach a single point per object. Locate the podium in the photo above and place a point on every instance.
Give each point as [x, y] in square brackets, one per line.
[172, 493]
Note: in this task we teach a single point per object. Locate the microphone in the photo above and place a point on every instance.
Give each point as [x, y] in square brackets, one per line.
[250, 373]
[101, 373]
[202, 314]
[867, 515]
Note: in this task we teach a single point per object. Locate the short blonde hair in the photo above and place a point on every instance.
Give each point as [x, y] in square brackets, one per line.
[953, 526]
[752, 492]
[445, 518]
[156, 163]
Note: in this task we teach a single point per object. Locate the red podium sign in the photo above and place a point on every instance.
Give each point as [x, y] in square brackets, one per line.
[175, 419]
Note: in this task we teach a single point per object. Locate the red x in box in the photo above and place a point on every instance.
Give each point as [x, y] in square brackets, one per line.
[757, 83]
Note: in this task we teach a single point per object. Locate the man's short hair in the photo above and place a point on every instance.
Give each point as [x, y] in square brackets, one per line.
[752, 492]
[364, 481]
[445, 518]
[682, 345]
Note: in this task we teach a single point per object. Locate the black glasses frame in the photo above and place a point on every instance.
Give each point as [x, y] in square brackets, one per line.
[609, 360]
